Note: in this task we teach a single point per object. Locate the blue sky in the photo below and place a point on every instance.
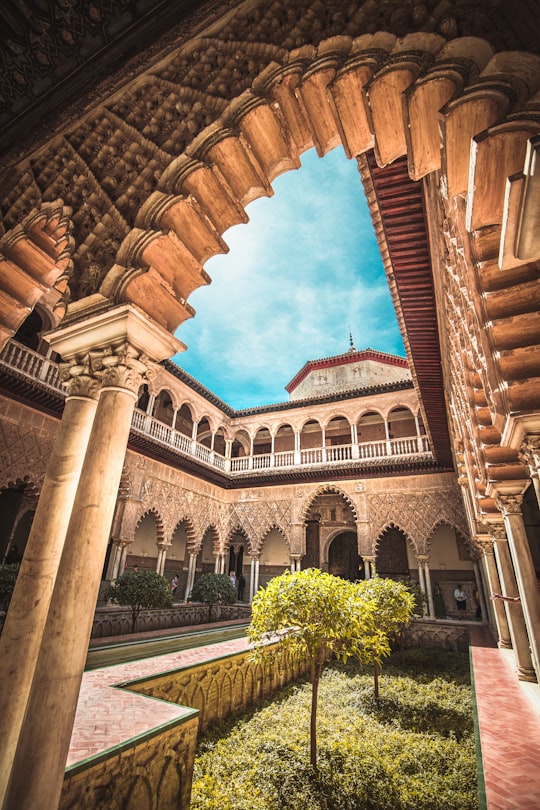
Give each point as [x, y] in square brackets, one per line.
[298, 275]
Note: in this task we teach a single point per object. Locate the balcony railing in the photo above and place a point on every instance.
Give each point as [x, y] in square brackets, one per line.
[34, 366]
[31, 365]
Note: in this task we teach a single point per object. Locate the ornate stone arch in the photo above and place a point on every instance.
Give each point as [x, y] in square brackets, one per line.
[36, 264]
[160, 528]
[216, 541]
[189, 529]
[459, 531]
[279, 529]
[394, 524]
[322, 490]
[238, 529]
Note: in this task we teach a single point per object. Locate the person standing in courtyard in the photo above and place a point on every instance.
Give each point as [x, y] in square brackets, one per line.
[461, 601]
[174, 584]
[241, 581]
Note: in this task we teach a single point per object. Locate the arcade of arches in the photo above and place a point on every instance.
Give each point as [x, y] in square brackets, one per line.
[111, 206]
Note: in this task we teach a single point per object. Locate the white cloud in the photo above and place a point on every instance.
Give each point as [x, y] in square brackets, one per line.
[304, 270]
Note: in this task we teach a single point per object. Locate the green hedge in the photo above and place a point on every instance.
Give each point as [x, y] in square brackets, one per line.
[411, 750]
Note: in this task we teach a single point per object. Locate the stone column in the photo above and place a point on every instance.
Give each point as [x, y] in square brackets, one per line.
[115, 342]
[530, 455]
[427, 577]
[421, 579]
[480, 589]
[118, 556]
[24, 628]
[369, 566]
[486, 544]
[192, 566]
[254, 577]
[514, 610]
[162, 556]
[510, 506]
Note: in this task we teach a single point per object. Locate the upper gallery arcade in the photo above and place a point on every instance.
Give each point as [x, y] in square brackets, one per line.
[115, 194]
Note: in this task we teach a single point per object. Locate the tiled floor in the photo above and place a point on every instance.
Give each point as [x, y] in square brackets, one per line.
[509, 726]
[508, 715]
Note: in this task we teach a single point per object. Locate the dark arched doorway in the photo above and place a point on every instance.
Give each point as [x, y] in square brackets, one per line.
[391, 560]
[343, 558]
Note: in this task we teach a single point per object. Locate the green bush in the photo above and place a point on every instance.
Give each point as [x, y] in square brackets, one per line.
[138, 590]
[412, 750]
[213, 589]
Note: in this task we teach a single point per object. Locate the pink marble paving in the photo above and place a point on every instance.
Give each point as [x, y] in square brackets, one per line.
[108, 717]
[509, 729]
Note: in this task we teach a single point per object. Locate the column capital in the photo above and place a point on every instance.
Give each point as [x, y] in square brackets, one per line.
[118, 348]
[424, 558]
[498, 531]
[484, 543]
[509, 504]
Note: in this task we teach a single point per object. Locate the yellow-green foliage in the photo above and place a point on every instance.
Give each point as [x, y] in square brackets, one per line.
[411, 750]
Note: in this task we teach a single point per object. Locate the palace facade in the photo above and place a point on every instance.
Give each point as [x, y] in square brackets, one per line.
[133, 137]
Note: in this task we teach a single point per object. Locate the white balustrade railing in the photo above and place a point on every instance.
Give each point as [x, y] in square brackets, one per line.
[37, 367]
[32, 365]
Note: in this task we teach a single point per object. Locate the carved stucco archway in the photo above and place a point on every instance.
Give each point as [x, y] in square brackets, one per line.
[155, 174]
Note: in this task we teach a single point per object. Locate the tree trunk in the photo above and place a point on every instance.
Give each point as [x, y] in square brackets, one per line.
[315, 678]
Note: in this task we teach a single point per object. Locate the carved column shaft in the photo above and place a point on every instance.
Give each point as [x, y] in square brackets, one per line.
[23, 631]
[499, 612]
[37, 784]
[110, 344]
[518, 543]
[514, 613]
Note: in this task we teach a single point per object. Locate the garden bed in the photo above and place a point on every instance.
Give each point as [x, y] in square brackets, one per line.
[413, 749]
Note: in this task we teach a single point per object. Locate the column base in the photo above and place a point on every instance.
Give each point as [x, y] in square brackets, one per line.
[526, 674]
[504, 645]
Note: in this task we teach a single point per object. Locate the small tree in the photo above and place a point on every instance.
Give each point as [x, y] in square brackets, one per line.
[138, 590]
[385, 607]
[213, 589]
[309, 613]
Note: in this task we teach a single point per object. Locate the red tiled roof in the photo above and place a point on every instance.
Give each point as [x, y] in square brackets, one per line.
[352, 356]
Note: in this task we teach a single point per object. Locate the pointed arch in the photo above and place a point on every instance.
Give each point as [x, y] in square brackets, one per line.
[158, 520]
[325, 489]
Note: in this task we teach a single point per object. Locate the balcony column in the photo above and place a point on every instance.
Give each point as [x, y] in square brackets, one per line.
[514, 610]
[518, 544]
[250, 459]
[24, 628]
[355, 450]
[118, 344]
[387, 438]
[228, 450]
[149, 410]
[486, 544]
[323, 444]
[272, 450]
[297, 451]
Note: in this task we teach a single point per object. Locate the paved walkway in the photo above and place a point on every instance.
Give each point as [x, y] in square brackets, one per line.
[508, 714]
[509, 727]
